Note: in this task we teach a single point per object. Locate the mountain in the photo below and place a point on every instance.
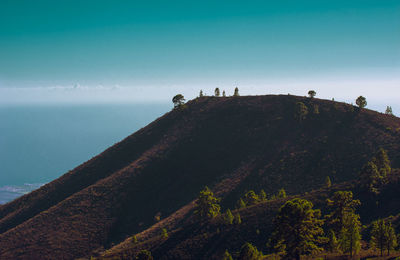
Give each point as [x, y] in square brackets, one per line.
[230, 144]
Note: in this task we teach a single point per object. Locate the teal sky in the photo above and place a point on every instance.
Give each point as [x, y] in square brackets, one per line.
[154, 45]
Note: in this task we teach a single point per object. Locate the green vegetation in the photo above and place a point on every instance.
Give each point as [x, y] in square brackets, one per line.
[328, 182]
[375, 173]
[238, 219]
[207, 206]
[383, 236]
[227, 256]
[333, 244]
[144, 255]
[281, 194]
[223, 93]
[312, 93]
[164, 233]
[342, 205]
[178, 101]
[249, 252]
[298, 228]
[251, 198]
[228, 217]
[350, 237]
[134, 239]
[201, 93]
[361, 102]
[301, 111]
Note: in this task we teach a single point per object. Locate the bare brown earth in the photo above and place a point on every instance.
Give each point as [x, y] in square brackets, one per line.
[231, 144]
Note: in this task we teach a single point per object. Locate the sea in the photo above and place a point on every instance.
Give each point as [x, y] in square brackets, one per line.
[39, 143]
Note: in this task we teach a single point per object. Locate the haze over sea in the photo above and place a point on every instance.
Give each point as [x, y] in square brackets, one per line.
[39, 143]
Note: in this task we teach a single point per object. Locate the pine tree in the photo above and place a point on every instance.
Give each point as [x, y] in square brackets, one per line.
[312, 93]
[389, 111]
[251, 198]
[178, 101]
[207, 206]
[236, 92]
[391, 238]
[263, 195]
[228, 217]
[281, 194]
[328, 182]
[375, 173]
[350, 237]
[342, 204]
[238, 219]
[361, 102]
[223, 93]
[216, 92]
[249, 252]
[201, 93]
[227, 256]
[301, 111]
[333, 244]
[241, 204]
[383, 236]
[164, 233]
[298, 228]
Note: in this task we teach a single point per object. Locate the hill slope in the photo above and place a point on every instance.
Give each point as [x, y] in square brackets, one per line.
[230, 144]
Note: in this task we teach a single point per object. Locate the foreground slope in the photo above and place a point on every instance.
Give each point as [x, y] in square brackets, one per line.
[230, 144]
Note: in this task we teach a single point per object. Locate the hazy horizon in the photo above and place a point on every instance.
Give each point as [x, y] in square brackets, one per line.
[129, 51]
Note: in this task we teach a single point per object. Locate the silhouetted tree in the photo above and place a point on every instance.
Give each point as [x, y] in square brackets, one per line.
[249, 252]
[236, 92]
[298, 229]
[389, 111]
[178, 100]
[301, 111]
[223, 93]
[201, 93]
[216, 92]
[312, 93]
[207, 206]
[361, 102]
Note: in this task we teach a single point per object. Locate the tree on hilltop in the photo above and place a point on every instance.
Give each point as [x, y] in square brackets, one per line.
[236, 92]
[178, 101]
[361, 102]
[312, 93]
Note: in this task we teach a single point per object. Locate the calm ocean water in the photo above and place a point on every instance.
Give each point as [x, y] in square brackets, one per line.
[40, 143]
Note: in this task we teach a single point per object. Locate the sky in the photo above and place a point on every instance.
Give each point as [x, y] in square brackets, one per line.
[132, 51]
